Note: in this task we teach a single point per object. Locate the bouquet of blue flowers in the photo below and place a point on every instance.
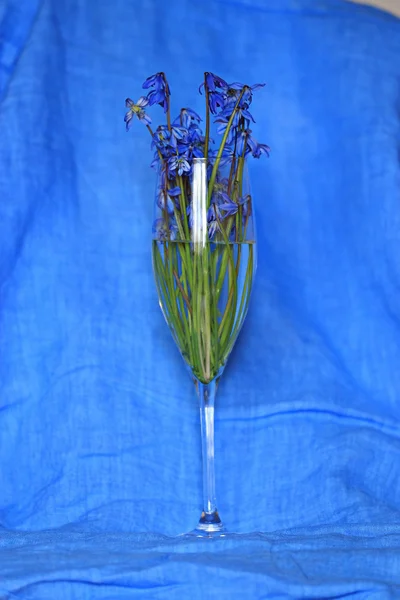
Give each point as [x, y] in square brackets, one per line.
[203, 231]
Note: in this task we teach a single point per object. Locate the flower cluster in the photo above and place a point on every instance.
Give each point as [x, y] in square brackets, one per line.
[179, 141]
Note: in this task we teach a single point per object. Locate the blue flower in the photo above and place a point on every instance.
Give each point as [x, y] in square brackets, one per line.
[173, 195]
[192, 145]
[157, 81]
[216, 99]
[136, 110]
[173, 192]
[213, 216]
[220, 191]
[164, 233]
[189, 212]
[159, 97]
[225, 114]
[187, 118]
[160, 93]
[178, 165]
[223, 123]
[252, 145]
[213, 212]
[261, 149]
[245, 202]
[178, 132]
[231, 208]
[213, 82]
[226, 157]
[233, 91]
[164, 202]
[155, 163]
[243, 140]
[167, 198]
[165, 139]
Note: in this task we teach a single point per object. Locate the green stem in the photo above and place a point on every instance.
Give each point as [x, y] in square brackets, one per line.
[167, 93]
[232, 271]
[166, 296]
[240, 178]
[197, 305]
[244, 303]
[233, 167]
[214, 296]
[178, 223]
[183, 299]
[182, 291]
[186, 235]
[249, 208]
[152, 134]
[226, 312]
[207, 137]
[169, 272]
[222, 146]
[224, 261]
[206, 309]
[230, 314]
[182, 201]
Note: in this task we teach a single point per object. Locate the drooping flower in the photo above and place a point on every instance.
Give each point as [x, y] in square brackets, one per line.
[241, 115]
[136, 110]
[261, 149]
[243, 142]
[187, 118]
[167, 198]
[157, 81]
[216, 100]
[233, 91]
[213, 82]
[215, 87]
[252, 145]
[231, 208]
[226, 157]
[161, 92]
[222, 123]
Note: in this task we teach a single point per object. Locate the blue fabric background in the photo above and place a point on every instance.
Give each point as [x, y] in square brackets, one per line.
[99, 436]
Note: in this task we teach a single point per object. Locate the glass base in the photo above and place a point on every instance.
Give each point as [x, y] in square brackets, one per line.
[210, 525]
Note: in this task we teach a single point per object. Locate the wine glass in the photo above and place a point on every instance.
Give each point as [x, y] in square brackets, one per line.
[204, 261]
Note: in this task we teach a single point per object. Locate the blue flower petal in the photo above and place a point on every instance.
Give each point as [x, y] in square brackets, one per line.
[174, 191]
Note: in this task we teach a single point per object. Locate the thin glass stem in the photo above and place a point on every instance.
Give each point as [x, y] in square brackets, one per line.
[209, 521]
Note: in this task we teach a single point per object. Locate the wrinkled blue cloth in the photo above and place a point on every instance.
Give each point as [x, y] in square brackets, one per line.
[100, 464]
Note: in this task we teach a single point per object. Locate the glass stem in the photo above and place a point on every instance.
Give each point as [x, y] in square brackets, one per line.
[209, 521]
